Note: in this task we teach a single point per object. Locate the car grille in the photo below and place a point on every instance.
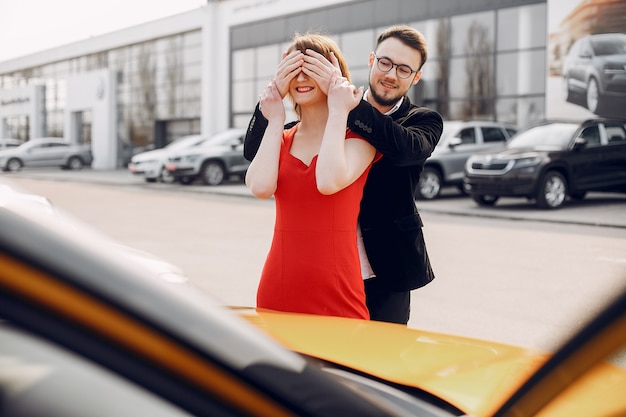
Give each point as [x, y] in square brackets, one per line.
[494, 165]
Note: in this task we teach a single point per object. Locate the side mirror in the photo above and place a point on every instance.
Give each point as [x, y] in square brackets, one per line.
[454, 142]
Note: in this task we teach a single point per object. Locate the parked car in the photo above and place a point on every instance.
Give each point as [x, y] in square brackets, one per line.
[85, 331]
[213, 162]
[42, 152]
[8, 143]
[151, 164]
[459, 140]
[595, 68]
[551, 161]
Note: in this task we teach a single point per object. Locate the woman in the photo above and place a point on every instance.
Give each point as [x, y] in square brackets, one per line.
[316, 171]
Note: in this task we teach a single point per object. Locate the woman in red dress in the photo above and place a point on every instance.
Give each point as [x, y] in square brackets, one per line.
[316, 171]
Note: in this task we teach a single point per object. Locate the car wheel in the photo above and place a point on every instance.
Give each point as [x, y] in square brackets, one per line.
[212, 173]
[552, 190]
[150, 179]
[485, 200]
[593, 96]
[429, 185]
[75, 163]
[14, 165]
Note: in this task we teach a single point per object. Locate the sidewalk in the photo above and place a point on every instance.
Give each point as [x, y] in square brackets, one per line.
[598, 209]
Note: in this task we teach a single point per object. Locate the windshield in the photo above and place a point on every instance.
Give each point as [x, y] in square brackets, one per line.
[614, 45]
[549, 136]
[221, 139]
[184, 142]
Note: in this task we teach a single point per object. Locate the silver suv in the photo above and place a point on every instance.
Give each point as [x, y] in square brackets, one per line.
[213, 161]
[459, 140]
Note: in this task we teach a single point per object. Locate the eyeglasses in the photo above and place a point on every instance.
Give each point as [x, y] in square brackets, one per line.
[385, 65]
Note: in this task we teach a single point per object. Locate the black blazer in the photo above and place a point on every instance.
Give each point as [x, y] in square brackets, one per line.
[389, 220]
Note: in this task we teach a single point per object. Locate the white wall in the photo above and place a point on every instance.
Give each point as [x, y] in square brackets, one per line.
[95, 92]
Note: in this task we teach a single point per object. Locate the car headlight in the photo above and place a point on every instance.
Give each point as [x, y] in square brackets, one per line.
[526, 163]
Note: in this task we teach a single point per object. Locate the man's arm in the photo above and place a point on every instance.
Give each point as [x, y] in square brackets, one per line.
[407, 141]
[254, 134]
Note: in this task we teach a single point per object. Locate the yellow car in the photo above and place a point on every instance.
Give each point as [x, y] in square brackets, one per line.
[86, 330]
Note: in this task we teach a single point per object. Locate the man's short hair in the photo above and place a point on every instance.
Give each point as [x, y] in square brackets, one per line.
[407, 35]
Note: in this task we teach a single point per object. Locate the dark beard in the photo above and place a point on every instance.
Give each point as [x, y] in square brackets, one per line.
[382, 101]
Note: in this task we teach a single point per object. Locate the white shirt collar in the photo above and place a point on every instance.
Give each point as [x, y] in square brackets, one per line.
[393, 109]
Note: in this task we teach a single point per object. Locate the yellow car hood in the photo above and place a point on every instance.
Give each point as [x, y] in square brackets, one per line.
[473, 375]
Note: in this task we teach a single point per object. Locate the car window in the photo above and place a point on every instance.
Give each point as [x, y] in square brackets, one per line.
[616, 133]
[467, 136]
[511, 131]
[547, 136]
[592, 135]
[609, 46]
[493, 134]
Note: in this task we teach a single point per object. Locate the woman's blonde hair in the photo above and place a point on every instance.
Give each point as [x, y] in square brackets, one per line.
[322, 44]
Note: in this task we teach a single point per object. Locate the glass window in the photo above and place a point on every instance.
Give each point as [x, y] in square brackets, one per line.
[467, 136]
[243, 61]
[616, 133]
[472, 33]
[243, 96]
[267, 59]
[517, 27]
[356, 47]
[591, 135]
[492, 134]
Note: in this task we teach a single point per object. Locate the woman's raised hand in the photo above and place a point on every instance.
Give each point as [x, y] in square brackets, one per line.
[289, 67]
[342, 95]
[321, 69]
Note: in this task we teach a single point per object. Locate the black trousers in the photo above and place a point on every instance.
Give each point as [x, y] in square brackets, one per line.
[385, 304]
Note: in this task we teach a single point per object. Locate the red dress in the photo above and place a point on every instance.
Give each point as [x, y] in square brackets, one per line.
[313, 263]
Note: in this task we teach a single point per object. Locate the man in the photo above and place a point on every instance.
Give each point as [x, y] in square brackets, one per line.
[393, 252]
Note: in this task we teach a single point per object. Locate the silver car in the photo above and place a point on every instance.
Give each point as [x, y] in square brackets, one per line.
[214, 161]
[595, 69]
[42, 152]
[459, 140]
[151, 164]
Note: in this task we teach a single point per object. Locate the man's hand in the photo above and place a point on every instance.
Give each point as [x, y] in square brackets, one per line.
[289, 67]
[321, 69]
[272, 103]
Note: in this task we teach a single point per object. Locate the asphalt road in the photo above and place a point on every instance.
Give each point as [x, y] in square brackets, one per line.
[509, 273]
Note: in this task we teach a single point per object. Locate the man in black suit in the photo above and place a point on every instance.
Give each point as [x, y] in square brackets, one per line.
[393, 252]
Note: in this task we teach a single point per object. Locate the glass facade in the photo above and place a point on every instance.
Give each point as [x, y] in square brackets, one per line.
[485, 61]
[488, 65]
[158, 91]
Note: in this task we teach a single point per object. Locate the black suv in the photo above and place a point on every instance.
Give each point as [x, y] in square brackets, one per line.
[550, 161]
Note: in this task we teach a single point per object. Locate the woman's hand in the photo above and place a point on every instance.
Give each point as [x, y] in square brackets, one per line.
[342, 96]
[289, 67]
[321, 69]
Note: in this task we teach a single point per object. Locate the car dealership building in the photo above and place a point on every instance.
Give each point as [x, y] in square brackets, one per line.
[202, 71]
